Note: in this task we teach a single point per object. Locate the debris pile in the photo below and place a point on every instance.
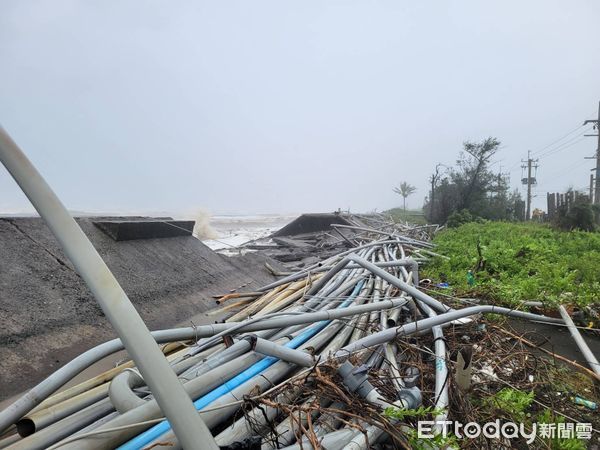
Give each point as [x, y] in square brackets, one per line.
[313, 237]
[347, 352]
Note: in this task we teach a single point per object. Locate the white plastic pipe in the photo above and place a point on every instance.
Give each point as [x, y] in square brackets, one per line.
[583, 347]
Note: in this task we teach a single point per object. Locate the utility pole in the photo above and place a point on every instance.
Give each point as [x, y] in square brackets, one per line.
[591, 188]
[596, 122]
[529, 181]
[528, 213]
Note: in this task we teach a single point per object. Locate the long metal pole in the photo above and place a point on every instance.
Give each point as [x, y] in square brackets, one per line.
[169, 393]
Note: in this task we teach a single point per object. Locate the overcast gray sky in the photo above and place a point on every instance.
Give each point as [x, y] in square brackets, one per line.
[281, 106]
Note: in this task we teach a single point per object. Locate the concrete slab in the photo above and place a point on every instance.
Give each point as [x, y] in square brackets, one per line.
[127, 230]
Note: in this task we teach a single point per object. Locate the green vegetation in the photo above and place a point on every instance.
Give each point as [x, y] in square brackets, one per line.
[519, 261]
[580, 216]
[472, 187]
[458, 218]
[400, 414]
[510, 402]
[516, 406]
[438, 441]
[559, 443]
[414, 216]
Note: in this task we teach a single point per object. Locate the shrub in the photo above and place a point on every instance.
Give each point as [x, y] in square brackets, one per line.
[511, 402]
[580, 216]
[458, 218]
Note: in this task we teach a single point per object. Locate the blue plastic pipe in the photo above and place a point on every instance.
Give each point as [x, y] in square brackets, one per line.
[158, 430]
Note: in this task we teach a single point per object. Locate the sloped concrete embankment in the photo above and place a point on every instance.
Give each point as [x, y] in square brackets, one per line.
[48, 316]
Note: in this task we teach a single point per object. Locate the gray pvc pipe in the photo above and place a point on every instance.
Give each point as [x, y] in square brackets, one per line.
[59, 430]
[425, 324]
[9, 440]
[48, 386]
[322, 282]
[265, 380]
[46, 415]
[239, 430]
[394, 263]
[151, 410]
[371, 436]
[583, 347]
[237, 349]
[329, 422]
[385, 233]
[110, 296]
[261, 415]
[373, 433]
[120, 391]
[221, 357]
[320, 303]
[340, 285]
[256, 419]
[441, 399]
[124, 399]
[340, 339]
[395, 281]
[331, 441]
[305, 271]
[290, 355]
[184, 363]
[37, 420]
[285, 432]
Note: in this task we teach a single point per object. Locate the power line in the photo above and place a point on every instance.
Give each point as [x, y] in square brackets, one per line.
[560, 138]
[563, 146]
[557, 140]
[567, 170]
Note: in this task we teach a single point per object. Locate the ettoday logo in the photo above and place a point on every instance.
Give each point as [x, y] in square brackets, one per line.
[506, 430]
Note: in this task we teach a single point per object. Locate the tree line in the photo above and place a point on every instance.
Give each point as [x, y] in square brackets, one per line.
[470, 190]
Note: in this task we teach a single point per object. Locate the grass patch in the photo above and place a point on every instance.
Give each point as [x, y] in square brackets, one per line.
[519, 261]
[414, 216]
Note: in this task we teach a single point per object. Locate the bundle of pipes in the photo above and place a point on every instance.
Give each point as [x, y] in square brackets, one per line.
[364, 299]
[354, 315]
[302, 246]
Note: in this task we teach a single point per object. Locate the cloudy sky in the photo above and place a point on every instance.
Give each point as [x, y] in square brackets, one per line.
[290, 106]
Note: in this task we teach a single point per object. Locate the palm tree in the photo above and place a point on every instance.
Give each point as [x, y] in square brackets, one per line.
[405, 190]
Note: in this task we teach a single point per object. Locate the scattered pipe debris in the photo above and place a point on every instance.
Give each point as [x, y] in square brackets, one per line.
[320, 355]
[346, 351]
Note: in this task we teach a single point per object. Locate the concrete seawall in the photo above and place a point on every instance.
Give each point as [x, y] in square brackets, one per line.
[48, 316]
